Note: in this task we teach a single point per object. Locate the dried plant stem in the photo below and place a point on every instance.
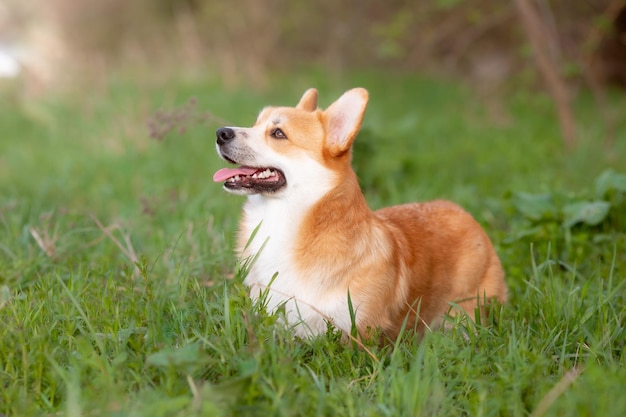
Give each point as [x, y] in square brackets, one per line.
[127, 249]
[556, 391]
[44, 241]
[539, 38]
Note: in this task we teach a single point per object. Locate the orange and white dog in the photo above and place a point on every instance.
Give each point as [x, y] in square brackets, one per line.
[317, 243]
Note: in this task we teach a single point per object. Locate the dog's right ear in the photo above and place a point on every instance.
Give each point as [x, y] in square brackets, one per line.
[308, 102]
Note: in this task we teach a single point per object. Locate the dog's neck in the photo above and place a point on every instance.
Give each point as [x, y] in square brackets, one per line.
[304, 218]
[336, 225]
[277, 217]
[343, 207]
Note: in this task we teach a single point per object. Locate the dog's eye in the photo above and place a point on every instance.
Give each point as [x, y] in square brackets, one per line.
[278, 134]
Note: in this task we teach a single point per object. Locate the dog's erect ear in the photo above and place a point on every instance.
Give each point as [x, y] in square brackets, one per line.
[308, 102]
[343, 120]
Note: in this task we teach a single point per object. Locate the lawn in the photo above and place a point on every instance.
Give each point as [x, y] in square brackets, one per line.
[120, 293]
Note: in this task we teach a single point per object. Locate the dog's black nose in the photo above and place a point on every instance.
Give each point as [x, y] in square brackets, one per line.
[224, 135]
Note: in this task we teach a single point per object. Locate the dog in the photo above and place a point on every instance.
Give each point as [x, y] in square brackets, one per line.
[315, 247]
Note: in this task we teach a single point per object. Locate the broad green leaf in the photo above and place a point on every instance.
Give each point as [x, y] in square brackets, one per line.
[608, 181]
[591, 213]
[535, 206]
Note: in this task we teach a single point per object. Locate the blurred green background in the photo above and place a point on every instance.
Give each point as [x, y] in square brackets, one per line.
[246, 41]
[129, 68]
[119, 290]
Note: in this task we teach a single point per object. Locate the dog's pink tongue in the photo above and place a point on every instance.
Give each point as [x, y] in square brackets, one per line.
[226, 173]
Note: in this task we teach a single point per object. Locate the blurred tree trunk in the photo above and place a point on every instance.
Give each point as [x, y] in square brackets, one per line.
[595, 49]
[539, 38]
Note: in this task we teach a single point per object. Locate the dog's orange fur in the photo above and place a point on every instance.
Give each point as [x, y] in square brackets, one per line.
[406, 262]
[401, 260]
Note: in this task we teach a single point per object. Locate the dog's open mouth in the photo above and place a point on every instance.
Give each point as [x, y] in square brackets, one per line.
[251, 179]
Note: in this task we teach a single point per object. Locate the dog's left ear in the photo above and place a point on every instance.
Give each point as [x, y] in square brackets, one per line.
[308, 102]
[343, 120]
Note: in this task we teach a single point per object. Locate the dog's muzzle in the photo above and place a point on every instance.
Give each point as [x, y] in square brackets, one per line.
[248, 178]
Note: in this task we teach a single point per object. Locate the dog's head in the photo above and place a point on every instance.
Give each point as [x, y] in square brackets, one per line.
[299, 148]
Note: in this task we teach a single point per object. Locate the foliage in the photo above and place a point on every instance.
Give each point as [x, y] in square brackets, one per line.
[245, 39]
[119, 292]
[608, 198]
[567, 220]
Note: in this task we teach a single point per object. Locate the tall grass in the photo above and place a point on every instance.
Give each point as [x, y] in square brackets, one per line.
[119, 292]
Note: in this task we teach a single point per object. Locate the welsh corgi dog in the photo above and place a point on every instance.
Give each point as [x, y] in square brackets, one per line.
[317, 249]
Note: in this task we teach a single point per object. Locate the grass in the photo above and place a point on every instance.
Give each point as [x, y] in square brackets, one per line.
[119, 292]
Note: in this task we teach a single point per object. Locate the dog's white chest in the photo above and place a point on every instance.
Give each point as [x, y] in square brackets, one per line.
[308, 305]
